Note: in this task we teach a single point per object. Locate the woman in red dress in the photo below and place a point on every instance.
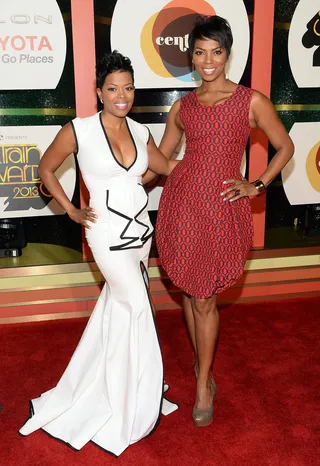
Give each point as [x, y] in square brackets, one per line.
[204, 227]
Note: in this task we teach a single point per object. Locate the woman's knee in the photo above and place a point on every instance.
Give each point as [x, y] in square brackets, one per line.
[205, 306]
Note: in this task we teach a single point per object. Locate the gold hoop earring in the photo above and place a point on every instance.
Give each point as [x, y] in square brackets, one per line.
[315, 28]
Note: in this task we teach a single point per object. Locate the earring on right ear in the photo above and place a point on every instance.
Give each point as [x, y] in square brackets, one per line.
[227, 74]
[192, 73]
[101, 101]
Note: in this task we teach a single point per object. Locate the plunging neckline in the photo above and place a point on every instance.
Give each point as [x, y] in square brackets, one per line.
[235, 91]
[111, 149]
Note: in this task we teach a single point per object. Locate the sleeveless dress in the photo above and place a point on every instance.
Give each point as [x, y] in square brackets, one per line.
[111, 393]
[202, 240]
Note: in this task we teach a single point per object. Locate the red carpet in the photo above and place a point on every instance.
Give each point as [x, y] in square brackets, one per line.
[265, 371]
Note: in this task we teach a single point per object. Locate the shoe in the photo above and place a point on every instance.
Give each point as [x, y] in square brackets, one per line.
[213, 387]
[204, 417]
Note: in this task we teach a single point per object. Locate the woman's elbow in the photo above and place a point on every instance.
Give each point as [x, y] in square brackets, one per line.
[290, 149]
[43, 172]
[40, 171]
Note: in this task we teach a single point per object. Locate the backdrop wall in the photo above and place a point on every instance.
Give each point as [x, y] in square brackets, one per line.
[47, 59]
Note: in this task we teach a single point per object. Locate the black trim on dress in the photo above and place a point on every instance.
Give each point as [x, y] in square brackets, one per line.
[76, 138]
[110, 147]
[32, 412]
[134, 143]
[144, 270]
[149, 134]
[132, 239]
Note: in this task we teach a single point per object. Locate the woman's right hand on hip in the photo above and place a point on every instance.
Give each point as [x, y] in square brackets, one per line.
[83, 216]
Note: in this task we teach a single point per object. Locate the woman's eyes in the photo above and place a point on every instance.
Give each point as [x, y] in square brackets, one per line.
[216, 52]
[113, 89]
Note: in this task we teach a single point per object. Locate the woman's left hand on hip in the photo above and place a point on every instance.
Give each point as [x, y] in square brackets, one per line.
[238, 189]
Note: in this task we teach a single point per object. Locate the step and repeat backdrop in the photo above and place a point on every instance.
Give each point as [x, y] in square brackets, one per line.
[37, 96]
[36, 100]
[157, 44]
[294, 197]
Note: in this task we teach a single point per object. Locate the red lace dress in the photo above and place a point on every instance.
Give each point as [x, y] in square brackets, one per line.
[203, 241]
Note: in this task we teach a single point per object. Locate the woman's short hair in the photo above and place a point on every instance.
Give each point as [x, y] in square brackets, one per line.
[212, 27]
[110, 63]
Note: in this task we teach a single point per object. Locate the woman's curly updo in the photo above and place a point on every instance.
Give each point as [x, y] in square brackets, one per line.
[110, 63]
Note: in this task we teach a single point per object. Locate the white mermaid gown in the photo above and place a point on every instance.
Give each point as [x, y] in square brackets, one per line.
[111, 392]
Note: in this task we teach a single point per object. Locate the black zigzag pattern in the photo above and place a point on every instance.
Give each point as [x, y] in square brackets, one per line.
[131, 239]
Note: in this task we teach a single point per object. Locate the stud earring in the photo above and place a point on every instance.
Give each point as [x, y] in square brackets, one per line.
[192, 73]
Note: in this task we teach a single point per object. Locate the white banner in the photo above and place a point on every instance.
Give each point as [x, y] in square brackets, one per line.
[154, 35]
[301, 176]
[304, 44]
[22, 193]
[157, 130]
[32, 44]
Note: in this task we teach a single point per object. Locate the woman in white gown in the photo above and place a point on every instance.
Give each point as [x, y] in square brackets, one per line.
[111, 393]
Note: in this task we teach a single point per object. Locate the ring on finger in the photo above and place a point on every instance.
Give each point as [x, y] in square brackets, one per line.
[237, 192]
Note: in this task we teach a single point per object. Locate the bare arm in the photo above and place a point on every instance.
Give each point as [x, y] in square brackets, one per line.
[173, 132]
[267, 120]
[171, 138]
[264, 116]
[61, 147]
[158, 163]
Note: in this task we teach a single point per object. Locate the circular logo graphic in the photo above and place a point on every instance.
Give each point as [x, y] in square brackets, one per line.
[313, 167]
[301, 176]
[304, 44]
[158, 42]
[164, 38]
